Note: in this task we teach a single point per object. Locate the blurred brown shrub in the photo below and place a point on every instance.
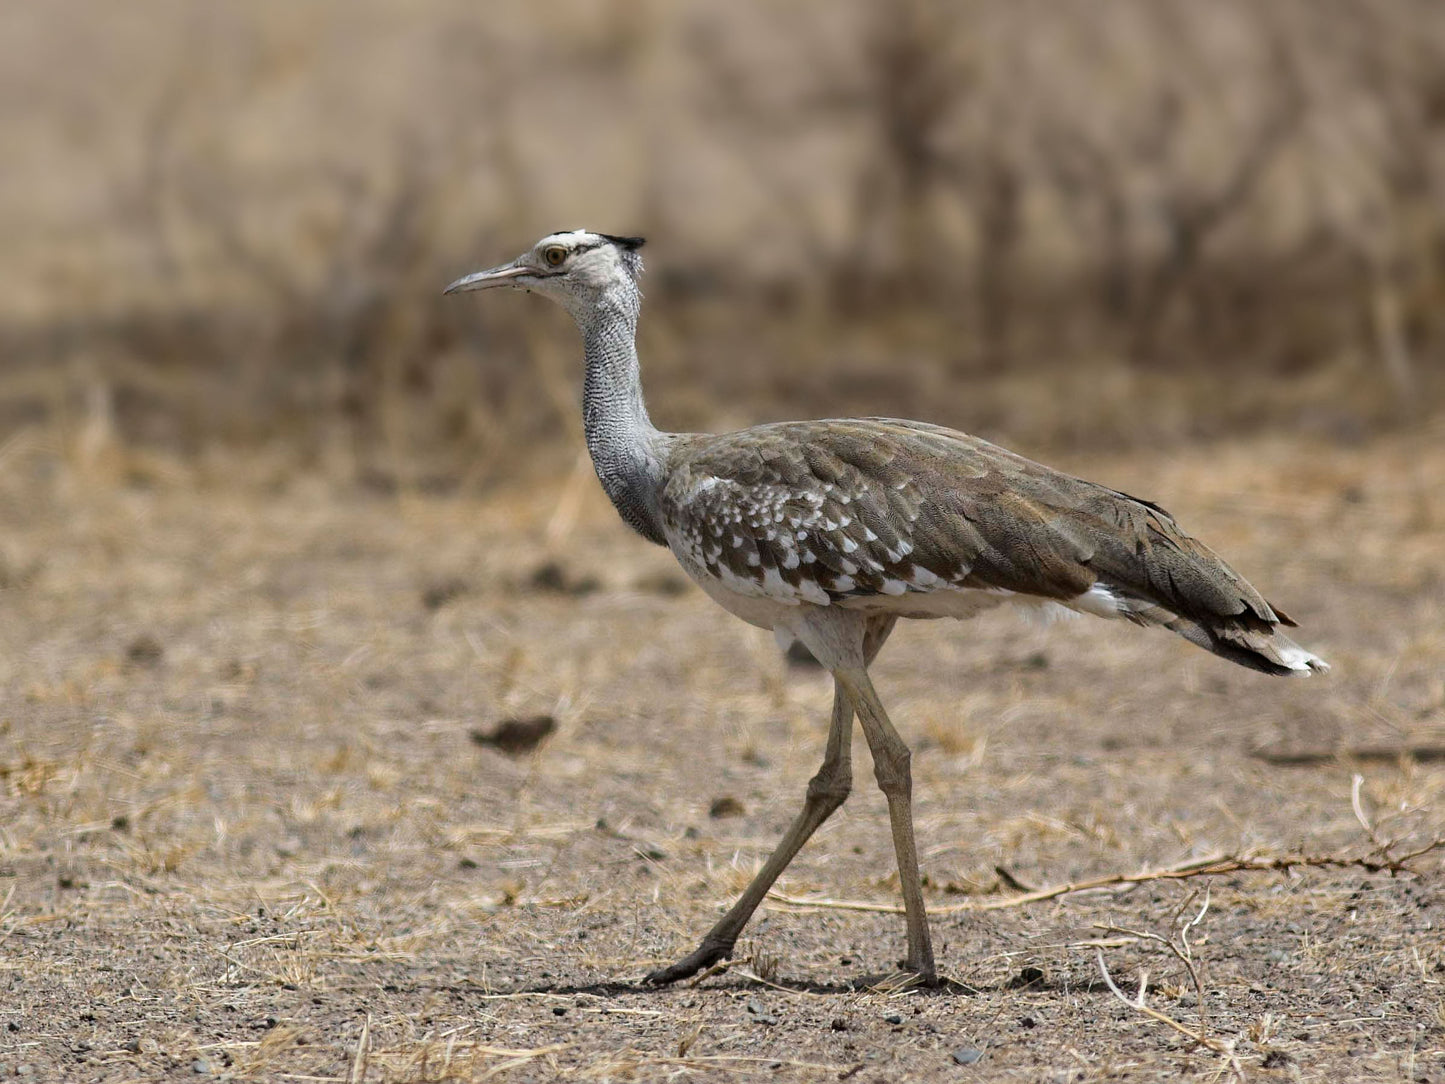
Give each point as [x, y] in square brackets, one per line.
[1053, 222]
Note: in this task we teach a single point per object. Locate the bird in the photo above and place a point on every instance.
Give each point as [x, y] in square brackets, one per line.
[828, 532]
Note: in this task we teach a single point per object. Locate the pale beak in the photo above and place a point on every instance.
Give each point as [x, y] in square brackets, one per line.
[495, 276]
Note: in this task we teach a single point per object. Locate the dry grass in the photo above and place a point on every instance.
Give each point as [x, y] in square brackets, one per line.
[243, 826]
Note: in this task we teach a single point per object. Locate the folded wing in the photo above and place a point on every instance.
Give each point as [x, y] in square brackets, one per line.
[831, 511]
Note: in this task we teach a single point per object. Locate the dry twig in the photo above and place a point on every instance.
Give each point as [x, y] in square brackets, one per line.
[1184, 953]
[1382, 754]
[1223, 1049]
[1213, 866]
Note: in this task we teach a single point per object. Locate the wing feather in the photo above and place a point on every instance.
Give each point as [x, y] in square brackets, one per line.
[839, 509]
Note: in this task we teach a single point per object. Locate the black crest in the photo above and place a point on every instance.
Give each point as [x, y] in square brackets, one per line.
[631, 244]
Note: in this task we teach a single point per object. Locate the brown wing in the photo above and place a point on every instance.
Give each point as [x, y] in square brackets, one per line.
[801, 512]
[825, 510]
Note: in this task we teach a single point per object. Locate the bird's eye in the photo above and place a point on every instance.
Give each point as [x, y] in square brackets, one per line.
[554, 255]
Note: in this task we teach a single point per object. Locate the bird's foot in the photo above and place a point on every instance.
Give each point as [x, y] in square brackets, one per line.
[904, 978]
[907, 977]
[704, 956]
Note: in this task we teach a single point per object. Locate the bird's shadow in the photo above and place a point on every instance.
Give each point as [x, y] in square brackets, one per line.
[886, 983]
[862, 984]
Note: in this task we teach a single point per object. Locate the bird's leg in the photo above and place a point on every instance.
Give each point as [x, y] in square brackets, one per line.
[891, 766]
[826, 792]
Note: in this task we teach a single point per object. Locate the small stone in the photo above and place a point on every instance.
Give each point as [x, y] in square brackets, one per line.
[725, 806]
[551, 577]
[144, 650]
[755, 758]
[967, 1055]
[893, 1018]
[436, 595]
[663, 584]
[559, 1010]
[516, 737]
[201, 1067]
[760, 1012]
[839, 1024]
[1027, 976]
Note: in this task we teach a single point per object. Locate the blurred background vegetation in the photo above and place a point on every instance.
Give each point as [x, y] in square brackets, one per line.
[1055, 224]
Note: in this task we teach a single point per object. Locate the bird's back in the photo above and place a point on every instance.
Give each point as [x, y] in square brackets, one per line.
[911, 518]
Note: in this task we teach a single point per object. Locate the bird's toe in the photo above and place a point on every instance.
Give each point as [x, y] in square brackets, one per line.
[706, 954]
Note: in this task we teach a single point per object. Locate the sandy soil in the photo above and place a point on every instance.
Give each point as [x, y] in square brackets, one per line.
[246, 830]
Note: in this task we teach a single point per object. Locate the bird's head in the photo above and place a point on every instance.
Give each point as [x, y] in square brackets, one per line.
[577, 269]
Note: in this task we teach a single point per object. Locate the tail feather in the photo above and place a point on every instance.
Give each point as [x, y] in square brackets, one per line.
[1270, 652]
[1246, 640]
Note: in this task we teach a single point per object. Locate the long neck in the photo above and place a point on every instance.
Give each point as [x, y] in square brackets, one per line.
[625, 445]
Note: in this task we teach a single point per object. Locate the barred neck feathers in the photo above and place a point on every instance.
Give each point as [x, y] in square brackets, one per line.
[624, 444]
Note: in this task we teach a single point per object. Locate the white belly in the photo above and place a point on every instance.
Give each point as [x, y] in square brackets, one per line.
[751, 601]
[756, 609]
[769, 602]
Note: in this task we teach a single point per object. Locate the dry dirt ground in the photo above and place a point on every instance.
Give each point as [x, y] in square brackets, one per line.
[246, 831]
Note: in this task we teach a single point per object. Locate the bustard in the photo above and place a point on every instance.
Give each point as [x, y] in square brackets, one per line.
[829, 531]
